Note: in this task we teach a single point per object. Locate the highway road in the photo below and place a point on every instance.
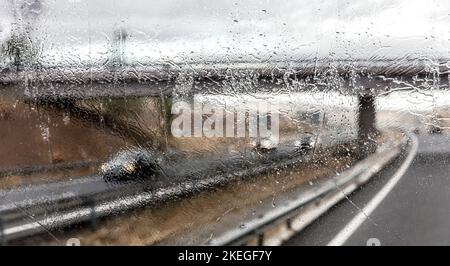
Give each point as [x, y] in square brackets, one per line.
[407, 203]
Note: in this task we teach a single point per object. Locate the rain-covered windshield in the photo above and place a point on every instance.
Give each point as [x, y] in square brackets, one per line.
[196, 122]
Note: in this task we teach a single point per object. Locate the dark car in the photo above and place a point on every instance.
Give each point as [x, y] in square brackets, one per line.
[133, 164]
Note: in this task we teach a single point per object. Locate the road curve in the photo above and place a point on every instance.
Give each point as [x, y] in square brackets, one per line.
[409, 206]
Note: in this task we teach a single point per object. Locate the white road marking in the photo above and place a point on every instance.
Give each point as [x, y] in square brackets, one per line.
[356, 222]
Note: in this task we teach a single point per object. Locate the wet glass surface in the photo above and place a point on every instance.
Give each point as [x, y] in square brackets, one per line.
[192, 122]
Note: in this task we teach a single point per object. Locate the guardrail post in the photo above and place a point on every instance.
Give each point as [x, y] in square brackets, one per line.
[260, 240]
[3, 241]
[89, 203]
[366, 121]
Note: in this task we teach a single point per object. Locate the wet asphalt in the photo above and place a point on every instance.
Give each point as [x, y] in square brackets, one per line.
[415, 212]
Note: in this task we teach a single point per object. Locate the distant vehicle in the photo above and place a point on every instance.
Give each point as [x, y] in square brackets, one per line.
[436, 125]
[134, 164]
[434, 129]
[306, 143]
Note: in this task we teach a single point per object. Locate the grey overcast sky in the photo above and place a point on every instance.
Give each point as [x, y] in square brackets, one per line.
[255, 30]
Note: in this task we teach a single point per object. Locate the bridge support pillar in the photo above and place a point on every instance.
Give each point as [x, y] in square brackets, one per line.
[367, 130]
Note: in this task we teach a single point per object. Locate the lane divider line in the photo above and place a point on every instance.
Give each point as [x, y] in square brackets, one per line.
[363, 215]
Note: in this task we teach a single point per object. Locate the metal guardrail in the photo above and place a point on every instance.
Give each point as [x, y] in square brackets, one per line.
[306, 204]
[38, 209]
